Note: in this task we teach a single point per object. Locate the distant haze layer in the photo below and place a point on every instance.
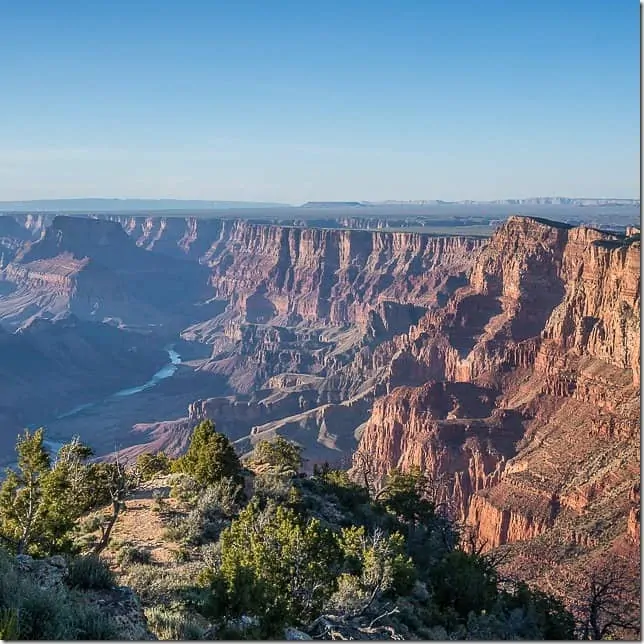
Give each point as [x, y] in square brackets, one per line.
[611, 213]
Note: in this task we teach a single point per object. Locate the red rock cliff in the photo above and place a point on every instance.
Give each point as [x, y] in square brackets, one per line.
[547, 328]
[331, 276]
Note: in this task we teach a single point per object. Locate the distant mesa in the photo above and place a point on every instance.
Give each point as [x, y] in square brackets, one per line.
[566, 201]
[532, 201]
[332, 204]
[96, 205]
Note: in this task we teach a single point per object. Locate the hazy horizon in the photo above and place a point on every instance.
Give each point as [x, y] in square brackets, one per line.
[198, 203]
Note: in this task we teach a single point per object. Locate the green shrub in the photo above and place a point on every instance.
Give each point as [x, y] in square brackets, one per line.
[89, 572]
[168, 624]
[184, 488]
[41, 500]
[378, 560]
[151, 465]
[463, 583]
[194, 530]
[92, 624]
[91, 523]
[279, 455]
[159, 498]
[129, 554]
[224, 497]
[236, 632]
[159, 585]
[211, 555]
[205, 522]
[181, 555]
[44, 614]
[275, 565]
[175, 531]
[337, 482]
[29, 612]
[269, 485]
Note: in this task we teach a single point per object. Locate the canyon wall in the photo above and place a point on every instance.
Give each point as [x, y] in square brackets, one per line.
[290, 274]
[333, 276]
[263, 273]
[544, 340]
[93, 269]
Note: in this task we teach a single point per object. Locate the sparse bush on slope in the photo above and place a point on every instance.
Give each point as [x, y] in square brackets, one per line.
[326, 557]
[150, 465]
[169, 624]
[89, 572]
[319, 553]
[278, 456]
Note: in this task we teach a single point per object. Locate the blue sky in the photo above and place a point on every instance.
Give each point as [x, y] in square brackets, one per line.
[274, 100]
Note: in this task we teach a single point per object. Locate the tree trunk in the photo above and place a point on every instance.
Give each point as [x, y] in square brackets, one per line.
[102, 544]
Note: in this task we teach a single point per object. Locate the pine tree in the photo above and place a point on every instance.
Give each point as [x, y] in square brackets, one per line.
[210, 456]
[21, 494]
[275, 565]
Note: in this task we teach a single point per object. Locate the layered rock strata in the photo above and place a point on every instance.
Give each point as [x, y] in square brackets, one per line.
[547, 331]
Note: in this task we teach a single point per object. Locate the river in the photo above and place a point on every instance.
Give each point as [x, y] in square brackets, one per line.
[165, 372]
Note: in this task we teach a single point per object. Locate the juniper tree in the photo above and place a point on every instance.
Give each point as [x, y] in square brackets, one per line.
[210, 456]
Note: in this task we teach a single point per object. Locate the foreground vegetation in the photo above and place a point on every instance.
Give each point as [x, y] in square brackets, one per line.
[257, 548]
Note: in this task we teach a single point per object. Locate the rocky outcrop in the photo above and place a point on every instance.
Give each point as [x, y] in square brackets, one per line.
[548, 328]
[187, 237]
[119, 604]
[449, 429]
[327, 433]
[45, 573]
[236, 417]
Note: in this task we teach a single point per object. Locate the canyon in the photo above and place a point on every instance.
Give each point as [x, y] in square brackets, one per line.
[246, 303]
[524, 399]
[506, 367]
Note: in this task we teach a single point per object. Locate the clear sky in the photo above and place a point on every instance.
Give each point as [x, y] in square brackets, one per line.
[279, 100]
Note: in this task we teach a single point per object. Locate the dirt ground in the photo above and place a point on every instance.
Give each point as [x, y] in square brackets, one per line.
[142, 525]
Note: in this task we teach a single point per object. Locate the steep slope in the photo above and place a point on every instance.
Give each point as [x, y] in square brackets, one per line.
[287, 288]
[536, 430]
[306, 302]
[93, 269]
[333, 276]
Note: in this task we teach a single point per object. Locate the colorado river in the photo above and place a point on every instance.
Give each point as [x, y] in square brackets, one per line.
[165, 372]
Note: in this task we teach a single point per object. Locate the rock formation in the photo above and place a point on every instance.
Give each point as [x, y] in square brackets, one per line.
[332, 276]
[90, 267]
[532, 408]
[119, 604]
